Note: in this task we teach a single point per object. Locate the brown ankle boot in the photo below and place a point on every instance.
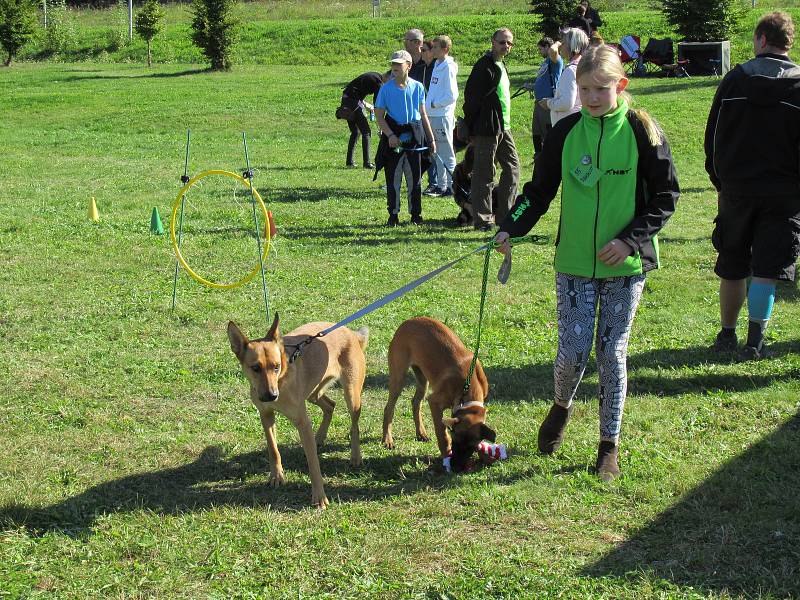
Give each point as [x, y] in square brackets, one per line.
[551, 431]
[607, 468]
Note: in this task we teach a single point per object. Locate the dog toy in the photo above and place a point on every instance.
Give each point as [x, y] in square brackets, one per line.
[489, 453]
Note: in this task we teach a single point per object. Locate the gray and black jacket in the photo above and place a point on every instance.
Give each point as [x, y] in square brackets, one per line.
[752, 140]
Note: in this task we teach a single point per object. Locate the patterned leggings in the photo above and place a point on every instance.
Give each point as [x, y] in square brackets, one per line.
[577, 299]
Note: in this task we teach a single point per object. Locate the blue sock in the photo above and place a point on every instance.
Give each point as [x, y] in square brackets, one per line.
[760, 300]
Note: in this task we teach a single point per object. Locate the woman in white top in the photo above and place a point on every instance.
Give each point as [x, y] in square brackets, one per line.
[566, 100]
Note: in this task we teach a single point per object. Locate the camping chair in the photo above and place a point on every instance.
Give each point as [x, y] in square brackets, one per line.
[657, 54]
[630, 53]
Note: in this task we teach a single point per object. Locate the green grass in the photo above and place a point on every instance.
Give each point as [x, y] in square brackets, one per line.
[284, 38]
[134, 466]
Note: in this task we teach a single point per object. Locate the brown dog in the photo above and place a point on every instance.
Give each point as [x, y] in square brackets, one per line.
[438, 358]
[278, 385]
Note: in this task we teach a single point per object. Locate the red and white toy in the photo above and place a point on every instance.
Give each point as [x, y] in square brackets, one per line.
[489, 453]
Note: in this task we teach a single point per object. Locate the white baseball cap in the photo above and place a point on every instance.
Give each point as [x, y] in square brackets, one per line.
[401, 56]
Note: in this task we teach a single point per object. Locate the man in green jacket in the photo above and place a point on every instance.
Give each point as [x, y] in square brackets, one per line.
[487, 114]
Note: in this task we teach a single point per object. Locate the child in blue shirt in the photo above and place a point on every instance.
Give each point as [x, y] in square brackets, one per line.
[401, 116]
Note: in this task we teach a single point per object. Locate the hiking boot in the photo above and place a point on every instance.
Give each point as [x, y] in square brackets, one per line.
[606, 466]
[725, 342]
[551, 431]
[748, 353]
[431, 190]
[393, 221]
[417, 219]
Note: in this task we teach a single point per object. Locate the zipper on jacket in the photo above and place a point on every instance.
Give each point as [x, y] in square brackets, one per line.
[597, 210]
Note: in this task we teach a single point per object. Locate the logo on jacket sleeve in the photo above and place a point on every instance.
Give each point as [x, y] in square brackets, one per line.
[520, 209]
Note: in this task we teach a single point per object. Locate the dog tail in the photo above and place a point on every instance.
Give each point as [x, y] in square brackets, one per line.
[363, 337]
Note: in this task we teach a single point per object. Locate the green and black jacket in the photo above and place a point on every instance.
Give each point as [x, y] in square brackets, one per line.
[615, 184]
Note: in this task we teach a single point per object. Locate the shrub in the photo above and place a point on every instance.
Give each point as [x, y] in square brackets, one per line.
[149, 21]
[704, 20]
[59, 36]
[214, 31]
[118, 34]
[554, 14]
[17, 25]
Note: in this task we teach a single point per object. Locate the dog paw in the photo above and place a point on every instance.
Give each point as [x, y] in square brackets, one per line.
[388, 442]
[321, 501]
[423, 437]
[277, 479]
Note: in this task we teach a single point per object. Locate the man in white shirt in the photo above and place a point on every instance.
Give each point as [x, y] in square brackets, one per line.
[441, 107]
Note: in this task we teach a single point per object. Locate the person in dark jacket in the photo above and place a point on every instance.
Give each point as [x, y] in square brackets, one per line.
[592, 15]
[354, 98]
[752, 147]
[579, 21]
[487, 115]
[618, 188]
[412, 42]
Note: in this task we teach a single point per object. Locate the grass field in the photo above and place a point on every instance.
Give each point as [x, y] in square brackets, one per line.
[134, 466]
[281, 33]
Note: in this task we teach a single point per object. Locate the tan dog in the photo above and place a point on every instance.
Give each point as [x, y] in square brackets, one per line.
[278, 385]
[439, 358]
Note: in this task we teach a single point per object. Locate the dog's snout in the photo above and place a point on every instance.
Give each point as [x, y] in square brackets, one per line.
[269, 396]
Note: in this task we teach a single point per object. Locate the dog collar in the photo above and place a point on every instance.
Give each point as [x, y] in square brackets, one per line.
[466, 405]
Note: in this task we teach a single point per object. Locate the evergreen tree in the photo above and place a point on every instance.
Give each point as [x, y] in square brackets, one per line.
[704, 20]
[148, 24]
[17, 25]
[555, 14]
[214, 31]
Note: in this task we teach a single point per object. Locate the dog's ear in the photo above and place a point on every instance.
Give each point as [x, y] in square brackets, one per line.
[237, 339]
[449, 422]
[273, 334]
[487, 433]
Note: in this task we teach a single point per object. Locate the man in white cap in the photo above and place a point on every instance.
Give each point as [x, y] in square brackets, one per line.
[406, 132]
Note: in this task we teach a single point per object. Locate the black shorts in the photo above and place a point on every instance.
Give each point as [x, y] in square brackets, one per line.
[758, 236]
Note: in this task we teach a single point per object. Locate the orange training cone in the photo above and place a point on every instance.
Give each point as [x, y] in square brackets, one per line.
[93, 214]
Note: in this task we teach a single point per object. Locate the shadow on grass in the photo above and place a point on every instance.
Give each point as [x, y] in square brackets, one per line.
[378, 234]
[214, 479]
[736, 533]
[665, 85]
[77, 78]
[510, 384]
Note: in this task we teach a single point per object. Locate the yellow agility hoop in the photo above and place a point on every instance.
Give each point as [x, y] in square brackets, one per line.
[173, 236]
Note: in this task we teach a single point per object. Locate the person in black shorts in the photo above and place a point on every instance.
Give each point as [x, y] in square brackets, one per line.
[752, 147]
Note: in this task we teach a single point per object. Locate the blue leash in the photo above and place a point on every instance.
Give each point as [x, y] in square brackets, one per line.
[385, 300]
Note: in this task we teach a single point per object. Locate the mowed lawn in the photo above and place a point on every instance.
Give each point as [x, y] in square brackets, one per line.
[133, 464]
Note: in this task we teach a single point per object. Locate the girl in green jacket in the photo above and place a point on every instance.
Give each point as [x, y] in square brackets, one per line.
[619, 187]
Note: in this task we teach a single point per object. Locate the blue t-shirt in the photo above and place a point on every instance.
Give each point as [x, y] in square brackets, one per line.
[402, 104]
[547, 78]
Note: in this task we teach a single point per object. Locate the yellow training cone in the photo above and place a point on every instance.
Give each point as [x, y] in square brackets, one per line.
[93, 214]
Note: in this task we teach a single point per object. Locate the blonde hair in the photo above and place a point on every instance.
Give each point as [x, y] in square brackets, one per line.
[443, 41]
[603, 62]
